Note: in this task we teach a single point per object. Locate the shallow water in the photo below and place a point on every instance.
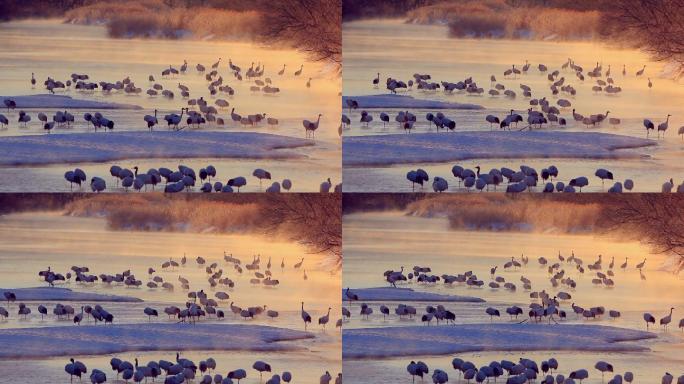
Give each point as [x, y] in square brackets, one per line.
[306, 174]
[34, 241]
[376, 242]
[412, 50]
[40, 46]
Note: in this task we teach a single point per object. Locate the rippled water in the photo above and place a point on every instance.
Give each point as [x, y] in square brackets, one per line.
[35, 241]
[399, 50]
[376, 242]
[50, 48]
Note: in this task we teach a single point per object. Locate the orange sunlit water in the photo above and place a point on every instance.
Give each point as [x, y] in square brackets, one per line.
[376, 242]
[35, 241]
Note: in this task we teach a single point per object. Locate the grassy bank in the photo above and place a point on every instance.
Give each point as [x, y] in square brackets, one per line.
[153, 18]
[498, 19]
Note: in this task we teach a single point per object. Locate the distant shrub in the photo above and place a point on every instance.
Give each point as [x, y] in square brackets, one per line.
[152, 18]
[497, 19]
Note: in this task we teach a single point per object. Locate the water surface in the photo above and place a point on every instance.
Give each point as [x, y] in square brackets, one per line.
[399, 50]
[376, 242]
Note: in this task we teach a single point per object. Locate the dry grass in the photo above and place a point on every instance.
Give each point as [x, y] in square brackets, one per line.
[496, 19]
[310, 219]
[152, 18]
[140, 212]
[503, 213]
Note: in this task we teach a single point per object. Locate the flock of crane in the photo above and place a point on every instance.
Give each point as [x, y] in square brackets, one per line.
[181, 370]
[548, 113]
[544, 307]
[184, 179]
[524, 180]
[199, 305]
[524, 371]
[206, 114]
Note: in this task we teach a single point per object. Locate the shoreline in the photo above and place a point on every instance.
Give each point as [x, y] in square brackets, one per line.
[426, 148]
[406, 294]
[392, 342]
[120, 338]
[64, 101]
[101, 147]
[40, 294]
[395, 101]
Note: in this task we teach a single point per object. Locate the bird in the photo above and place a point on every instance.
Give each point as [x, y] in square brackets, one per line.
[492, 312]
[151, 312]
[305, 316]
[624, 265]
[324, 319]
[667, 319]
[151, 120]
[261, 367]
[641, 265]
[261, 174]
[325, 186]
[299, 264]
[310, 127]
[662, 127]
[299, 71]
[648, 318]
[603, 367]
[648, 124]
[75, 368]
[97, 377]
[417, 369]
[97, 184]
[641, 71]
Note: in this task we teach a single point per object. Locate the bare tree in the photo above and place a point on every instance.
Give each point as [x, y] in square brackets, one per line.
[312, 26]
[314, 220]
[654, 219]
[657, 26]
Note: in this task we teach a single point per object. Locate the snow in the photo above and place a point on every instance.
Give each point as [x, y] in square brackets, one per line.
[367, 343]
[62, 101]
[403, 101]
[105, 339]
[406, 294]
[65, 294]
[452, 146]
[108, 146]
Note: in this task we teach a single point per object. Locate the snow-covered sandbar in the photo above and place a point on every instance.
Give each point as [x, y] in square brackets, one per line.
[63, 101]
[406, 294]
[454, 146]
[370, 343]
[109, 146]
[105, 339]
[65, 294]
[403, 101]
